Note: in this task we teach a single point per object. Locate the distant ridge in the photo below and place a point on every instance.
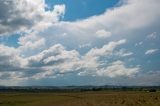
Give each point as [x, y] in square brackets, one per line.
[76, 88]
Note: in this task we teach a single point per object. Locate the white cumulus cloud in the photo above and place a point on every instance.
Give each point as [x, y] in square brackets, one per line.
[25, 15]
[103, 33]
[151, 51]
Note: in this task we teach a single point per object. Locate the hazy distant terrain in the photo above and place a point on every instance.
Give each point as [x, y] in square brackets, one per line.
[90, 98]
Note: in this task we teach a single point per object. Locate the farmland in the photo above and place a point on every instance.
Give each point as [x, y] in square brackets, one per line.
[89, 98]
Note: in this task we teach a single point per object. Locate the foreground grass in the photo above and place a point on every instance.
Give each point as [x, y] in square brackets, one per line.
[97, 98]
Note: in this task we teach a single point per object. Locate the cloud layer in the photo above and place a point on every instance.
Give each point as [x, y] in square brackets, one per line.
[16, 18]
[120, 43]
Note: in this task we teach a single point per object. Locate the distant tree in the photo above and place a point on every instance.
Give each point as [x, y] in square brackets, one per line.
[152, 90]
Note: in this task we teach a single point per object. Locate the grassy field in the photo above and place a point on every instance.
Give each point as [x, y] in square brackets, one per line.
[97, 98]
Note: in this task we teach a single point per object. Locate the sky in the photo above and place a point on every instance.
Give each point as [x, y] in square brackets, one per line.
[79, 42]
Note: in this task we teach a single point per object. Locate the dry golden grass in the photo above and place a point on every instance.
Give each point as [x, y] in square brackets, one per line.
[81, 99]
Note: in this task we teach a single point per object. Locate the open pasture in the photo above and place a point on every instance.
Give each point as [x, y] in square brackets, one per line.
[96, 98]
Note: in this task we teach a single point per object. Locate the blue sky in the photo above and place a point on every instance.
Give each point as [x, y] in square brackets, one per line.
[80, 9]
[79, 42]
